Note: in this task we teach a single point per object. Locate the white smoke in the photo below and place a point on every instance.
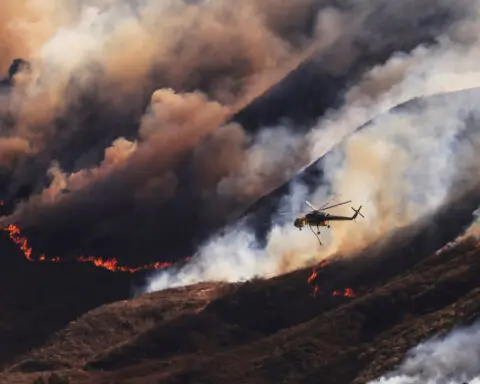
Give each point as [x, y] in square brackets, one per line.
[474, 230]
[399, 168]
[452, 359]
[236, 256]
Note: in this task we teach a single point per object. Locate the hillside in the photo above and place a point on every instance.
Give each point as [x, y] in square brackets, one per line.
[61, 305]
[153, 159]
[265, 330]
[261, 215]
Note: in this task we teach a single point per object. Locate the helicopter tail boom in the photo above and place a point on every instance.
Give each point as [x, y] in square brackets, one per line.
[335, 218]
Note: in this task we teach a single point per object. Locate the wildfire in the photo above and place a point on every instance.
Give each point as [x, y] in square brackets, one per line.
[314, 274]
[347, 292]
[17, 238]
[109, 264]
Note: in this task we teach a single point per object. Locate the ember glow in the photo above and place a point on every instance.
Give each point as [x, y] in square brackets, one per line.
[314, 274]
[110, 264]
[347, 292]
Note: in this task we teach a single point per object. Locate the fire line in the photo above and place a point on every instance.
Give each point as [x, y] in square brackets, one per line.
[108, 264]
[347, 292]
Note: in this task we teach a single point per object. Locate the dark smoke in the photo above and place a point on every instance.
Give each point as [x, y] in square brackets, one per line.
[126, 136]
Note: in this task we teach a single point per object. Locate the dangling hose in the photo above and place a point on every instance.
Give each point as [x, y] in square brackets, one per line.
[317, 236]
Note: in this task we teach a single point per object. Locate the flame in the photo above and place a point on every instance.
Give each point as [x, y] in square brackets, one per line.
[18, 239]
[109, 264]
[314, 275]
[348, 292]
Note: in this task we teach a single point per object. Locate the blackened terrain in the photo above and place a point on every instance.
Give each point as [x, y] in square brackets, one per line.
[267, 331]
[49, 296]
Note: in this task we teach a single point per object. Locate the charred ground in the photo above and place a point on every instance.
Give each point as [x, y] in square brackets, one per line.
[263, 330]
[78, 322]
[266, 330]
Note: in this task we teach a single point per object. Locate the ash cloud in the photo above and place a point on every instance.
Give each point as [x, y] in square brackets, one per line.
[120, 53]
[121, 116]
[450, 359]
[148, 81]
[406, 164]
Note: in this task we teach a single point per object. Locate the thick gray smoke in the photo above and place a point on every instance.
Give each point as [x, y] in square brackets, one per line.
[122, 94]
[450, 359]
[118, 93]
[402, 167]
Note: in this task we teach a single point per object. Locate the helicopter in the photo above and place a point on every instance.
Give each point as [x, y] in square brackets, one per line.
[319, 218]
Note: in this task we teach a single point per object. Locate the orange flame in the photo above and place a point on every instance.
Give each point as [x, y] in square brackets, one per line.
[18, 239]
[348, 292]
[314, 275]
[109, 264]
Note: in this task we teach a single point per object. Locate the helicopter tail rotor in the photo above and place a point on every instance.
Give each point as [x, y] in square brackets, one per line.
[357, 212]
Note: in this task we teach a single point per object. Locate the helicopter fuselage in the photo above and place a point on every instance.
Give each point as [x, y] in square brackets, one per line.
[316, 219]
[319, 218]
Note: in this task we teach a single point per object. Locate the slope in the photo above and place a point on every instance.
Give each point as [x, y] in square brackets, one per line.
[261, 215]
[324, 338]
[56, 285]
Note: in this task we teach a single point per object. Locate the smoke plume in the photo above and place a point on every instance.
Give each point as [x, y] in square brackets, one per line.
[117, 94]
[450, 359]
[474, 229]
[123, 116]
[403, 166]
[123, 50]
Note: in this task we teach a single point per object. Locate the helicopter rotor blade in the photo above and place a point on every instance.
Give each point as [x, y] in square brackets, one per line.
[289, 214]
[310, 205]
[292, 213]
[328, 202]
[324, 205]
[336, 205]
